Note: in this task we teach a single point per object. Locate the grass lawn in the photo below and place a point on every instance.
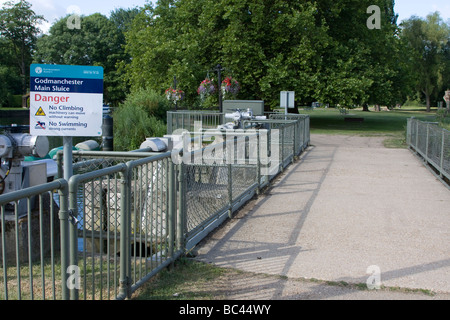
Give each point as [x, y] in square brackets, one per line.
[189, 280]
[390, 124]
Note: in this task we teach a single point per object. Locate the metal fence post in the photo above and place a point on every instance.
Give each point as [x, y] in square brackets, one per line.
[73, 232]
[294, 139]
[441, 169]
[417, 136]
[230, 188]
[283, 127]
[64, 236]
[125, 237]
[258, 161]
[427, 142]
[171, 209]
[181, 216]
[169, 123]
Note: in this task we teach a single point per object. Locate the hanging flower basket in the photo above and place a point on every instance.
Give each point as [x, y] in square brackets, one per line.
[174, 95]
[230, 87]
[206, 89]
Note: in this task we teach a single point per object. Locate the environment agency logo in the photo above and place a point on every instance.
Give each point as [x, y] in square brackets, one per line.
[38, 70]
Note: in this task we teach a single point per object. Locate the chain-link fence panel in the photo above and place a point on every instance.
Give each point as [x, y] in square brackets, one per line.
[206, 193]
[187, 120]
[421, 137]
[434, 147]
[432, 142]
[446, 153]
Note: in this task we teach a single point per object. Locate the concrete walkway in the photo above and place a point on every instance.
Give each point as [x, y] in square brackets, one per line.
[348, 205]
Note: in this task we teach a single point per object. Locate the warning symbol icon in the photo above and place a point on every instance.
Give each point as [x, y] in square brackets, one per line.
[40, 112]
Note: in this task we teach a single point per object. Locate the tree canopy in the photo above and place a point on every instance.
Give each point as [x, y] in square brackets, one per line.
[323, 50]
[428, 41]
[338, 52]
[98, 42]
[18, 35]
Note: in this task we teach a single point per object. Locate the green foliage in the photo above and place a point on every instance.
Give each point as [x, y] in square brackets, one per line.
[18, 32]
[428, 41]
[150, 101]
[138, 118]
[10, 82]
[190, 38]
[16, 101]
[98, 42]
[322, 50]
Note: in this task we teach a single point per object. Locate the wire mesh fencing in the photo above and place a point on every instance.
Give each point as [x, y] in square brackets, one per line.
[32, 252]
[123, 217]
[432, 143]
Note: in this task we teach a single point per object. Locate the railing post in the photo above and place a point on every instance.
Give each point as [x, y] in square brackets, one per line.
[442, 153]
[230, 188]
[417, 136]
[73, 232]
[171, 208]
[181, 216]
[283, 127]
[64, 236]
[169, 122]
[125, 238]
[258, 161]
[427, 142]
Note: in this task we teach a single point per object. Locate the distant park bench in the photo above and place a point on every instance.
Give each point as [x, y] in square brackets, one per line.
[352, 119]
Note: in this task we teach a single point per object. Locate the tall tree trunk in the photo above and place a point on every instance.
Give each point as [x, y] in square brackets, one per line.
[428, 102]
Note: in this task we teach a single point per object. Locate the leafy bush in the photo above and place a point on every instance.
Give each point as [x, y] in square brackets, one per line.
[153, 103]
[139, 117]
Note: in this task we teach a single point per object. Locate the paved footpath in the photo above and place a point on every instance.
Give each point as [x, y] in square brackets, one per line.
[348, 206]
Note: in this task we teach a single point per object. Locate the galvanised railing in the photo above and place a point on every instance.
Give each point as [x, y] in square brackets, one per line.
[34, 246]
[432, 143]
[187, 119]
[124, 216]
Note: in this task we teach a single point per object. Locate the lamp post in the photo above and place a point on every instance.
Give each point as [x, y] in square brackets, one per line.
[175, 88]
[219, 70]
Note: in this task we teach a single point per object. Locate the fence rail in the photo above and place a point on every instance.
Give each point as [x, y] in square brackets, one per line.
[34, 243]
[123, 217]
[432, 143]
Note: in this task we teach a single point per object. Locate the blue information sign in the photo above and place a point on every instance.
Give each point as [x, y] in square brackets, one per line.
[66, 100]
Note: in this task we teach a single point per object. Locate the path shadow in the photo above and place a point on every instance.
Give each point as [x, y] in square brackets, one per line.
[269, 257]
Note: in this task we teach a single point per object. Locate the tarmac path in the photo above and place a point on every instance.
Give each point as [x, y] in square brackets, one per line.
[348, 210]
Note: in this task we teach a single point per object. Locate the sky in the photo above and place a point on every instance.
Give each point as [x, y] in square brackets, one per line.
[52, 10]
